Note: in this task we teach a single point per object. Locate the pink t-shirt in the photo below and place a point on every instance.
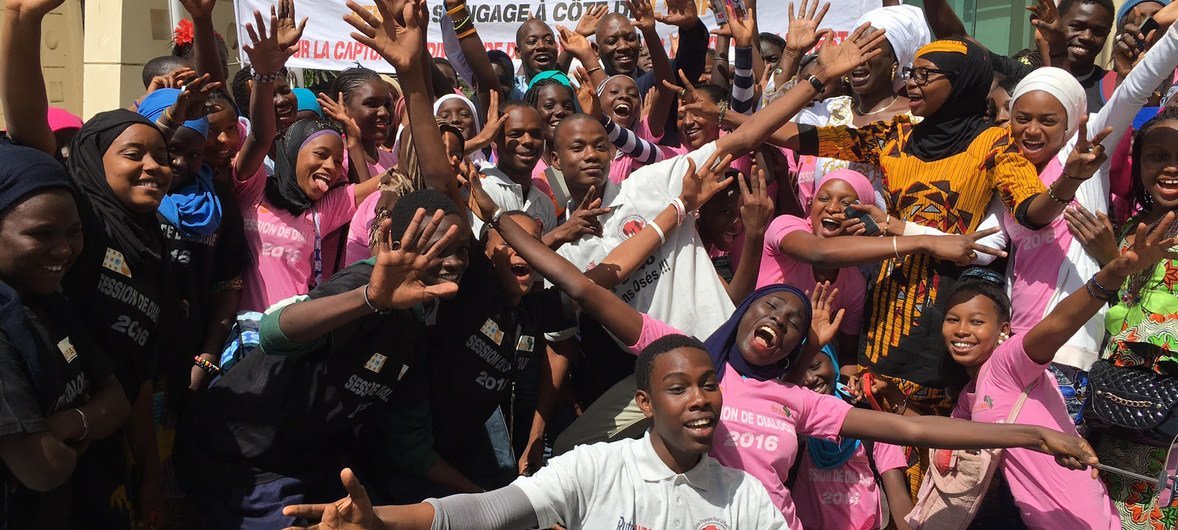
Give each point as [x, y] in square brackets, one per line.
[282, 244]
[761, 421]
[1047, 494]
[357, 247]
[846, 497]
[778, 267]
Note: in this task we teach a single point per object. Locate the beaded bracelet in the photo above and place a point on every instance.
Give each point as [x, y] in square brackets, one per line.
[206, 365]
[266, 78]
[1098, 291]
[1054, 197]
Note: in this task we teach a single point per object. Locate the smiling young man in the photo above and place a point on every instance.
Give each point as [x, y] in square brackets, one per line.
[1086, 26]
[663, 480]
[536, 45]
[517, 151]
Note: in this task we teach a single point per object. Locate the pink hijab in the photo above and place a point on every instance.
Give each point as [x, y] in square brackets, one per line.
[858, 182]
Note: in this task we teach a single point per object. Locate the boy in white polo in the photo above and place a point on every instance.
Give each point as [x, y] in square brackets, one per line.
[663, 480]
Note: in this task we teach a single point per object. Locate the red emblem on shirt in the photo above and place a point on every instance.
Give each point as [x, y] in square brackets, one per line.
[632, 225]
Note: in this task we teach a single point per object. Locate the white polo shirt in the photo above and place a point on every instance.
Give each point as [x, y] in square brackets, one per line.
[510, 196]
[678, 283]
[624, 484]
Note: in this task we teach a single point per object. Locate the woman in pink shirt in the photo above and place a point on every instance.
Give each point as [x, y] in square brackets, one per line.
[977, 333]
[760, 356]
[288, 214]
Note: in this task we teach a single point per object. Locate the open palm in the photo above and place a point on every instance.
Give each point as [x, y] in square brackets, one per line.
[396, 36]
[396, 277]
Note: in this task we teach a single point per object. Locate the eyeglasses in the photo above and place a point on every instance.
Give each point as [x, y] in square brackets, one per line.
[920, 75]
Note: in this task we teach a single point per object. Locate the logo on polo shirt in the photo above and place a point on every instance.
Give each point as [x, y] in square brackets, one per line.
[631, 224]
[376, 362]
[711, 523]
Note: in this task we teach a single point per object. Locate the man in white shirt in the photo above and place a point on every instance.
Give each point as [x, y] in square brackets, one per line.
[663, 480]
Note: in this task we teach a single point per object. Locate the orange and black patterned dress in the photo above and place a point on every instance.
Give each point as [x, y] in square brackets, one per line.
[903, 317]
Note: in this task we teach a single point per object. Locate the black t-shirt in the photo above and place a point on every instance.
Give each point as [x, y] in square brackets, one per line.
[123, 308]
[198, 265]
[479, 349]
[75, 364]
[291, 415]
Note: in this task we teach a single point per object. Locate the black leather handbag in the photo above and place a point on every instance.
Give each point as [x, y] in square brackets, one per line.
[1134, 402]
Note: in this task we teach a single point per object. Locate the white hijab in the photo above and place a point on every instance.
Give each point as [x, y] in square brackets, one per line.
[906, 31]
[1062, 86]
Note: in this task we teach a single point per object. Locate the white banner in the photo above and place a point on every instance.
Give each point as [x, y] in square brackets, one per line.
[327, 45]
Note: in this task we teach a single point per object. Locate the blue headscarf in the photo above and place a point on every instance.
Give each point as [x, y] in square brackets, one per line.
[1130, 4]
[25, 172]
[194, 208]
[308, 101]
[824, 453]
[724, 350]
[154, 105]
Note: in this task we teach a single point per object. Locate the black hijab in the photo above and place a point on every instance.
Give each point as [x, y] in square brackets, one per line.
[282, 188]
[960, 119]
[137, 234]
[25, 172]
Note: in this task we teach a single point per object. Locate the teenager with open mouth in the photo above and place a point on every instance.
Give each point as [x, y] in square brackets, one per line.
[552, 95]
[760, 356]
[289, 215]
[60, 391]
[803, 251]
[590, 486]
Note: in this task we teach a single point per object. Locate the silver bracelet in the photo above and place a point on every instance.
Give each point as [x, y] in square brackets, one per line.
[85, 425]
[266, 78]
[495, 216]
[372, 306]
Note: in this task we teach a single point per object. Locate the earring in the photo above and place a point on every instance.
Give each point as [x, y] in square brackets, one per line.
[1002, 337]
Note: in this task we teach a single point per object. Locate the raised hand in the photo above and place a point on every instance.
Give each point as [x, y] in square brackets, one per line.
[268, 55]
[1045, 18]
[176, 79]
[199, 9]
[586, 95]
[1087, 157]
[583, 220]
[32, 8]
[860, 46]
[803, 33]
[190, 104]
[643, 13]
[680, 13]
[1094, 232]
[491, 130]
[591, 19]
[701, 185]
[353, 512]
[396, 278]
[1148, 248]
[574, 43]
[396, 36]
[963, 249]
[824, 321]
[743, 30]
[289, 33]
[481, 204]
[756, 208]
[338, 111]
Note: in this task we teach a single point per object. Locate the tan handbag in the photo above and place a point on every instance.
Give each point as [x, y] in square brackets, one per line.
[957, 482]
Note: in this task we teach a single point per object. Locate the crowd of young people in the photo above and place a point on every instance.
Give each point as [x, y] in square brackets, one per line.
[612, 286]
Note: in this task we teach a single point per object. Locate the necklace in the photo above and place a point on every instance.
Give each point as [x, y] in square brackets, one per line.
[878, 108]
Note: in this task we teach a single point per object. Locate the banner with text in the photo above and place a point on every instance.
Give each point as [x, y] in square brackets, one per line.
[327, 44]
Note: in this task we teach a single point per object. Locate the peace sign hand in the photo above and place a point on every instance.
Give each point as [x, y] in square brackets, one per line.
[1148, 248]
[963, 249]
[396, 278]
[803, 33]
[1045, 18]
[583, 221]
[1087, 157]
[756, 208]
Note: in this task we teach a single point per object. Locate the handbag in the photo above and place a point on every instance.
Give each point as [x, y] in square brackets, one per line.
[1133, 402]
[949, 498]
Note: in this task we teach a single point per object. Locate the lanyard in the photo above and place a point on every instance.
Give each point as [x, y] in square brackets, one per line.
[317, 254]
